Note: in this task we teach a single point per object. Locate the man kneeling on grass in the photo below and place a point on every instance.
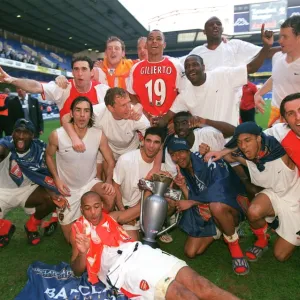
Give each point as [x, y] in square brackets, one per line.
[25, 181]
[101, 245]
[271, 168]
[215, 201]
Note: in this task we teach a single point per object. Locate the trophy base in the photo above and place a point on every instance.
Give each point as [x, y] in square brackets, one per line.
[152, 244]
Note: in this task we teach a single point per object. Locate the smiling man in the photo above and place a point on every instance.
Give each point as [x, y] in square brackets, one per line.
[212, 94]
[113, 118]
[24, 181]
[208, 135]
[100, 245]
[285, 78]
[215, 203]
[81, 85]
[115, 68]
[133, 166]
[271, 168]
[74, 173]
[155, 82]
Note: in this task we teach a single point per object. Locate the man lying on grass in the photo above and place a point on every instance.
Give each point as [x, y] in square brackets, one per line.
[101, 246]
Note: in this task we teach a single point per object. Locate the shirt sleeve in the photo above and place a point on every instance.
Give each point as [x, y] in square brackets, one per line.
[119, 171]
[98, 110]
[179, 104]
[212, 137]
[244, 51]
[234, 76]
[52, 92]
[180, 78]
[142, 124]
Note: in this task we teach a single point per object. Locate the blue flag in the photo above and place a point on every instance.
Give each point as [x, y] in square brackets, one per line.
[58, 282]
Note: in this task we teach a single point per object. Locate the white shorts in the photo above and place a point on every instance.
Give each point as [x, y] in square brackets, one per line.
[288, 214]
[11, 198]
[150, 273]
[73, 213]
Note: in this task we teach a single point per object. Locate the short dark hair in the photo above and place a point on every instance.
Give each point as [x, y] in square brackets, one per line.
[89, 193]
[182, 114]
[111, 95]
[294, 23]
[288, 98]
[158, 31]
[79, 100]
[198, 57]
[115, 39]
[214, 17]
[82, 58]
[161, 132]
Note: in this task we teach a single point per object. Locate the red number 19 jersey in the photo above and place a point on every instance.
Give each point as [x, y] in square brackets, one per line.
[156, 84]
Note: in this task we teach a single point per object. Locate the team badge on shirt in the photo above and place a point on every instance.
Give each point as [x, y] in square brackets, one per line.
[144, 286]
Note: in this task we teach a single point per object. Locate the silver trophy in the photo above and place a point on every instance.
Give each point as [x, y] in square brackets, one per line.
[154, 208]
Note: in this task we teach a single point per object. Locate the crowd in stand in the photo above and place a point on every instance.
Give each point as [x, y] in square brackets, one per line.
[124, 120]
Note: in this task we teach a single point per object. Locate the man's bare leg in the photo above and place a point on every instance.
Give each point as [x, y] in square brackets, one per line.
[260, 208]
[196, 246]
[200, 286]
[227, 218]
[176, 291]
[283, 250]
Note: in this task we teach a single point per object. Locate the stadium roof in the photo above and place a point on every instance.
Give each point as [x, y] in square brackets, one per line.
[76, 25]
[73, 25]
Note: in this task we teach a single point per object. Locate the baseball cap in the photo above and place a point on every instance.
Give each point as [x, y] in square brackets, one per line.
[247, 127]
[177, 144]
[24, 124]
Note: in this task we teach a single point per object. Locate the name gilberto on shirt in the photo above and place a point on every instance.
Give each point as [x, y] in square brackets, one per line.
[156, 70]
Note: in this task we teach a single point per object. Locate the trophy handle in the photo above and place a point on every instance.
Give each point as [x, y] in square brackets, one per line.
[141, 211]
[171, 226]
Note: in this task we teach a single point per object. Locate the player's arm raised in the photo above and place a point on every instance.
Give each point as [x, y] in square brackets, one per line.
[28, 85]
[268, 40]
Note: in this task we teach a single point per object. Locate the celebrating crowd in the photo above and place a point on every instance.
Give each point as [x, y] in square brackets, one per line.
[124, 120]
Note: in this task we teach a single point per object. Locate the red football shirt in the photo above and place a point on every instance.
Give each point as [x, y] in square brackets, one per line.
[156, 84]
[247, 101]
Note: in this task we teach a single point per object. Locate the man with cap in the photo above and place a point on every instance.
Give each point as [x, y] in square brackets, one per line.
[25, 181]
[271, 168]
[214, 199]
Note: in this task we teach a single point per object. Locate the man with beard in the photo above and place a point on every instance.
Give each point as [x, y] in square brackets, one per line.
[214, 198]
[133, 166]
[74, 173]
[100, 245]
[25, 181]
[271, 168]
